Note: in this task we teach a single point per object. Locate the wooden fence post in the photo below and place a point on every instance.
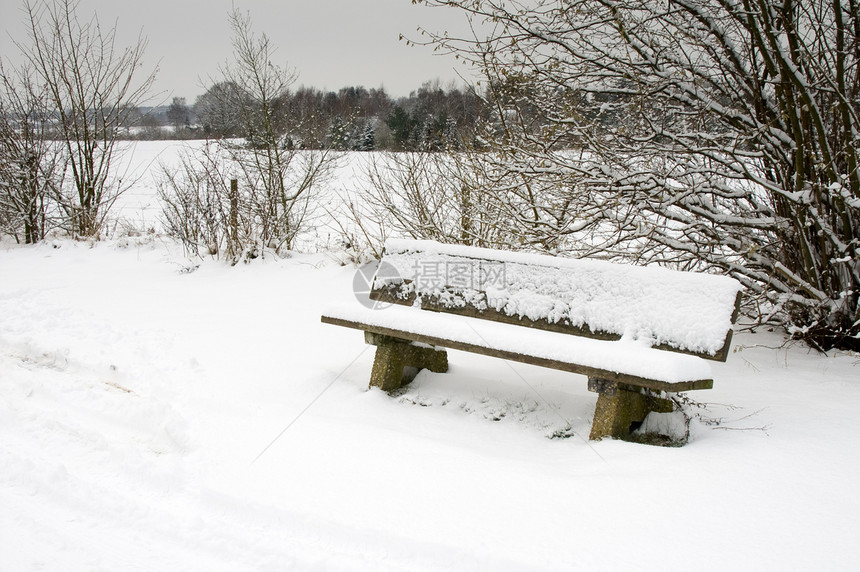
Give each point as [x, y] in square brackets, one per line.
[234, 210]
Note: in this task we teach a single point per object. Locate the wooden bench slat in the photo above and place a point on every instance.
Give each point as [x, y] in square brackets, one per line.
[389, 323]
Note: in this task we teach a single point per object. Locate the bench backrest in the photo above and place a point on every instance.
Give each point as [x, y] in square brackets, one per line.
[678, 311]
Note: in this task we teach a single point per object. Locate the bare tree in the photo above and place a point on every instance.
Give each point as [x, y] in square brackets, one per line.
[31, 166]
[717, 134]
[437, 196]
[218, 108]
[178, 114]
[199, 207]
[279, 177]
[93, 86]
[273, 201]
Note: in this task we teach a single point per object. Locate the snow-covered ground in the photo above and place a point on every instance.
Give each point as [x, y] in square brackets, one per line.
[162, 414]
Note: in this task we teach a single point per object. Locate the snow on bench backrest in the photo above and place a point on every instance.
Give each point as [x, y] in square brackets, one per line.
[690, 312]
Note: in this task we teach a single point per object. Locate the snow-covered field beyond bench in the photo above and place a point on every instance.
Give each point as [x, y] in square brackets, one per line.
[157, 416]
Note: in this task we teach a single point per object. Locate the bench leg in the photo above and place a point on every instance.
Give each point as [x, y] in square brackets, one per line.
[394, 355]
[621, 409]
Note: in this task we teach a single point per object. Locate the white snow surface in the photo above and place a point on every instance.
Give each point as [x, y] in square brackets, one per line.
[622, 356]
[686, 310]
[163, 414]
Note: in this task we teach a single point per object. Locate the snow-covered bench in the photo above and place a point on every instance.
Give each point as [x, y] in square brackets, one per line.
[634, 331]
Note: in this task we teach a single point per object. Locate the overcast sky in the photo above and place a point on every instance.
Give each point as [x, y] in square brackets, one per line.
[330, 43]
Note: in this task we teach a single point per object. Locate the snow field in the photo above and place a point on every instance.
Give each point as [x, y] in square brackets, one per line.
[137, 394]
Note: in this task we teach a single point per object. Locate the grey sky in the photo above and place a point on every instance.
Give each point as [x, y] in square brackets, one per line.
[330, 43]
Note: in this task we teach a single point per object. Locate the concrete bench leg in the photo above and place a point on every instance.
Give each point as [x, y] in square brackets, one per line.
[394, 355]
[621, 408]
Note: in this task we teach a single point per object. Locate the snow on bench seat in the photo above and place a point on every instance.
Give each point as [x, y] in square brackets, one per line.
[625, 357]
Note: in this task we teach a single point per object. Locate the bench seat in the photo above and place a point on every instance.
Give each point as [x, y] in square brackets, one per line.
[630, 362]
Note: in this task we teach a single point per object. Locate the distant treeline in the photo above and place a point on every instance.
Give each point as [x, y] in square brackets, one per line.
[431, 118]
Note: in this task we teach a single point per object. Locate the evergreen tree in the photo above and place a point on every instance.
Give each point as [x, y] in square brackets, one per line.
[401, 125]
[368, 137]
